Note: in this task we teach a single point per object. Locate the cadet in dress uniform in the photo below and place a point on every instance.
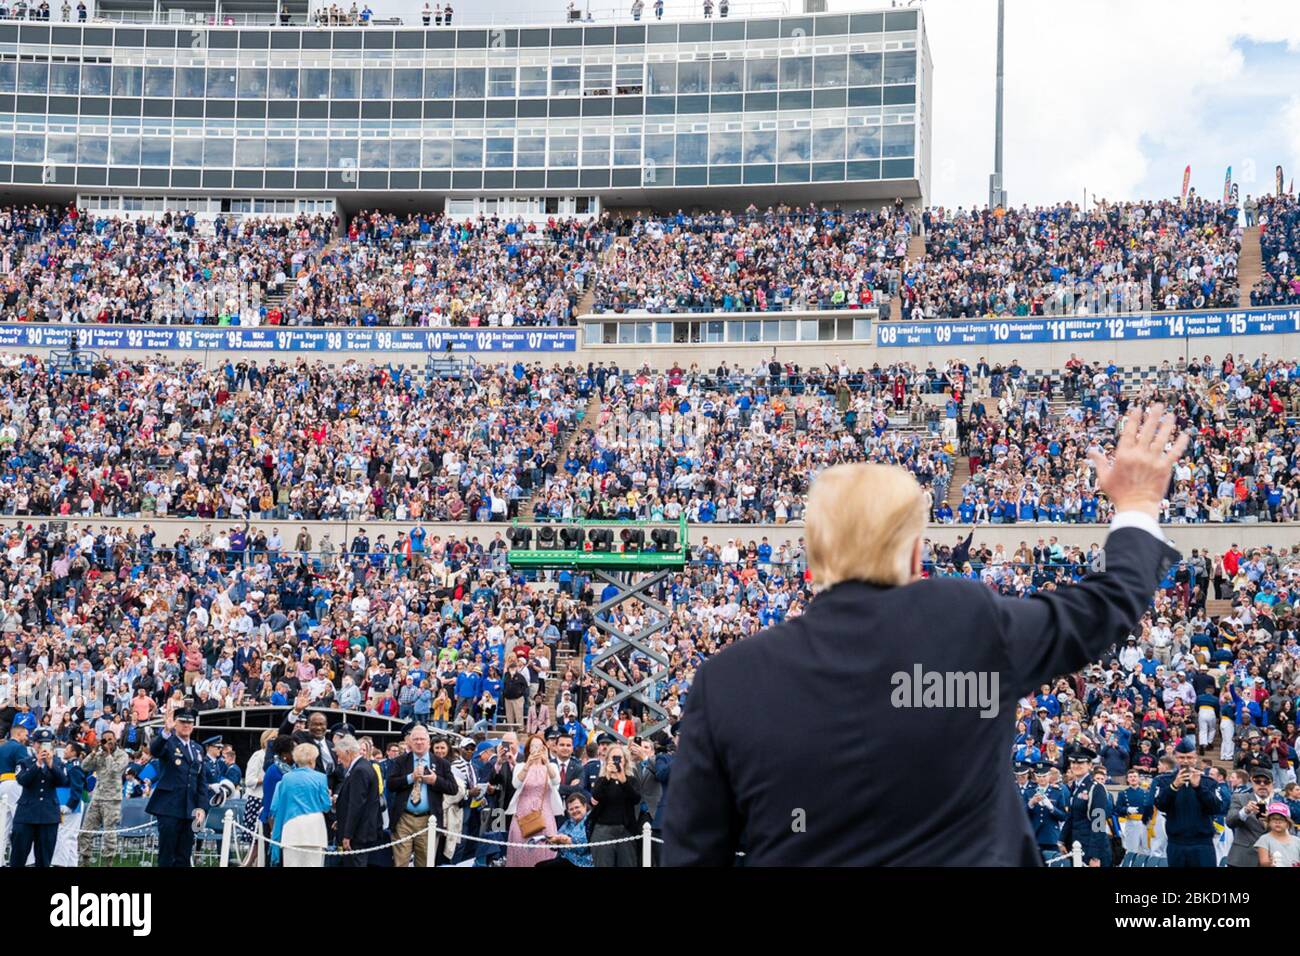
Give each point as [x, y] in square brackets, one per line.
[12, 752]
[1222, 832]
[1190, 801]
[71, 806]
[1088, 822]
[1133, 807]
[1045, 814]
[180, 796]
[36, 818]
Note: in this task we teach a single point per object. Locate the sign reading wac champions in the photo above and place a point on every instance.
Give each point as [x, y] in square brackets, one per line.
[158, 338]
[1028, 330]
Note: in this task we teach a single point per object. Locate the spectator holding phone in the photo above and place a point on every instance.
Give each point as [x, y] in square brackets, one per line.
[617, 800]
[535, 806]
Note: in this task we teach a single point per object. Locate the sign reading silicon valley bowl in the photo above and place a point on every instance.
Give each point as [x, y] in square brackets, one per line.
[1093, 328]
[277, 339]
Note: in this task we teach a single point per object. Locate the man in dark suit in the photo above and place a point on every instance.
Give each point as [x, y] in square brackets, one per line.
[1247, 819]
[569, 766]
[417, 781]
[359, 811]
[317, 725]
[180, 796]
[890, 670]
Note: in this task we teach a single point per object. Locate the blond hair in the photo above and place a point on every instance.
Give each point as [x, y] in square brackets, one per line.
[305, 754]
[863, 520]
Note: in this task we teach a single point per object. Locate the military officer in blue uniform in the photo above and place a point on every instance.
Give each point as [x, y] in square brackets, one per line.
[12, 752]
[212, 759]
[1088, 821]
[1133, 807]
[36, 818]
[1190, 800]
[181, 797]
[1045, 814]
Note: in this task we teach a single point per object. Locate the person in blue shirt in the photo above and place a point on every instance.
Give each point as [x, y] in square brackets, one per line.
[571, 839]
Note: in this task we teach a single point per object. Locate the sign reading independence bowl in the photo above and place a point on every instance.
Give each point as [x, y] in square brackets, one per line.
[1093, 328]
[156, 338]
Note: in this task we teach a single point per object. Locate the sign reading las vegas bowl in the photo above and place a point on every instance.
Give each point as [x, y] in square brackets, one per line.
[275, 339]
[1093, 328]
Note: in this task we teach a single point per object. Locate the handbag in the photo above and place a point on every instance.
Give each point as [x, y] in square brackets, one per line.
[531, 823]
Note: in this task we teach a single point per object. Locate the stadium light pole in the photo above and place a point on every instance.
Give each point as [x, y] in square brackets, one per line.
[998, 195]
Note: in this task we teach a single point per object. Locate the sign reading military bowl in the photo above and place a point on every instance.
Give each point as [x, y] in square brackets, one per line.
[275, 339]
[1095, 328]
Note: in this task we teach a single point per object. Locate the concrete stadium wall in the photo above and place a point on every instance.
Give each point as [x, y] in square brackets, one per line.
[1215, 538]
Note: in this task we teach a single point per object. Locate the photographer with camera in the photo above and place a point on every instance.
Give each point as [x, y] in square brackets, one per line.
[104, 808]
[1248, 819]
[617, 801]
[1190, 801]
[37, 816]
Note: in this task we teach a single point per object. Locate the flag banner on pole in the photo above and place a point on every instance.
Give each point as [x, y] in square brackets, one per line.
[1279, 180]
[1227, 185]
[1187, 181]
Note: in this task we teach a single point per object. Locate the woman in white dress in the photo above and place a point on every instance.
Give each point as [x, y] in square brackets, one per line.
[298, 808]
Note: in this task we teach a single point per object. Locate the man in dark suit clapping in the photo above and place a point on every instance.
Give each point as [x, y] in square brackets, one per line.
[359, 810]
[891, 669]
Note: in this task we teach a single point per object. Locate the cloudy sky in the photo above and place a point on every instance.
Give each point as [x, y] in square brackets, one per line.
[1112, 96]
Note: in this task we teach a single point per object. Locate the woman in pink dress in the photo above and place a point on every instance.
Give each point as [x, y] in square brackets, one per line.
[537, 787]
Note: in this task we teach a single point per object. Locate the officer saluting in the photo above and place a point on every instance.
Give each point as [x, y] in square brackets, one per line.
[36, 818]
[180, 797]
[1190, 801]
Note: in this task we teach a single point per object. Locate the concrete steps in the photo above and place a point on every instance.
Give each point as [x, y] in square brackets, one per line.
[960, 475]
[1250, 265]
[589, 415]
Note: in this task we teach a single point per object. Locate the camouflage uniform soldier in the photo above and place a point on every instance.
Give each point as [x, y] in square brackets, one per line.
[104, 811]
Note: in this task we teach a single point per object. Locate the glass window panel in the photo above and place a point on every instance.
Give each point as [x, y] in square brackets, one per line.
[728, 76]
[692, 77]
[760, 75]
[312, 154]
[470, 83]
[407, 84]
[437, 153]
[127, 80]
[218, 151]
[221, 81]
[565, 80]
[283, 85]
[250, 153]
[864, 69]
[864, 142]
[29, 148]
[155, 151]
[898, 140]
[796, 72]
[62, 148]
[595, 150]
[124, 151]
[33, 77]
[315, 84]
[501, 81]
[599, 79]
[564, 151]
[792, 146]
[91, 150]
[760, 147]
[530, 151]
[9, 77]
[187, 152]
[692, 149]
[659, 150]
[279, 153]
[467, 153]
[724, 149]
[439, 84]
[252, 83]
[627, 149]
[65, 79]
[405, 154]
[831, 71]
[500, 151]
[159, 81]
[900, 67]
[532, 81]
[343, 154]
[191, 81]
[662, 78]
[377, 84]
[828, 144]
[374, 154]
[345, 84]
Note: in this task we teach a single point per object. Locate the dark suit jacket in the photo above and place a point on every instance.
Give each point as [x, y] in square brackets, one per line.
[359, 811]
[400, 789]
[1244, 832]
[183, 778]
[826, 691]
[570, 776]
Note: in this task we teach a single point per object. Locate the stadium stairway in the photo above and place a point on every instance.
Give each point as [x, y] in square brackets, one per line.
[589, 414]
[960, 475]
[1250, 265]
[915, 247]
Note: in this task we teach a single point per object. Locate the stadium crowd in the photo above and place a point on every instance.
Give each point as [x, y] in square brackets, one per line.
[1279, 244]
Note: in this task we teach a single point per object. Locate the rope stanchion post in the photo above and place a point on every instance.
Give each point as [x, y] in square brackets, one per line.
[430, 843]
[227, 837]
[645, 845]
[5, 811]
[1076, 852]
[262, 848]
